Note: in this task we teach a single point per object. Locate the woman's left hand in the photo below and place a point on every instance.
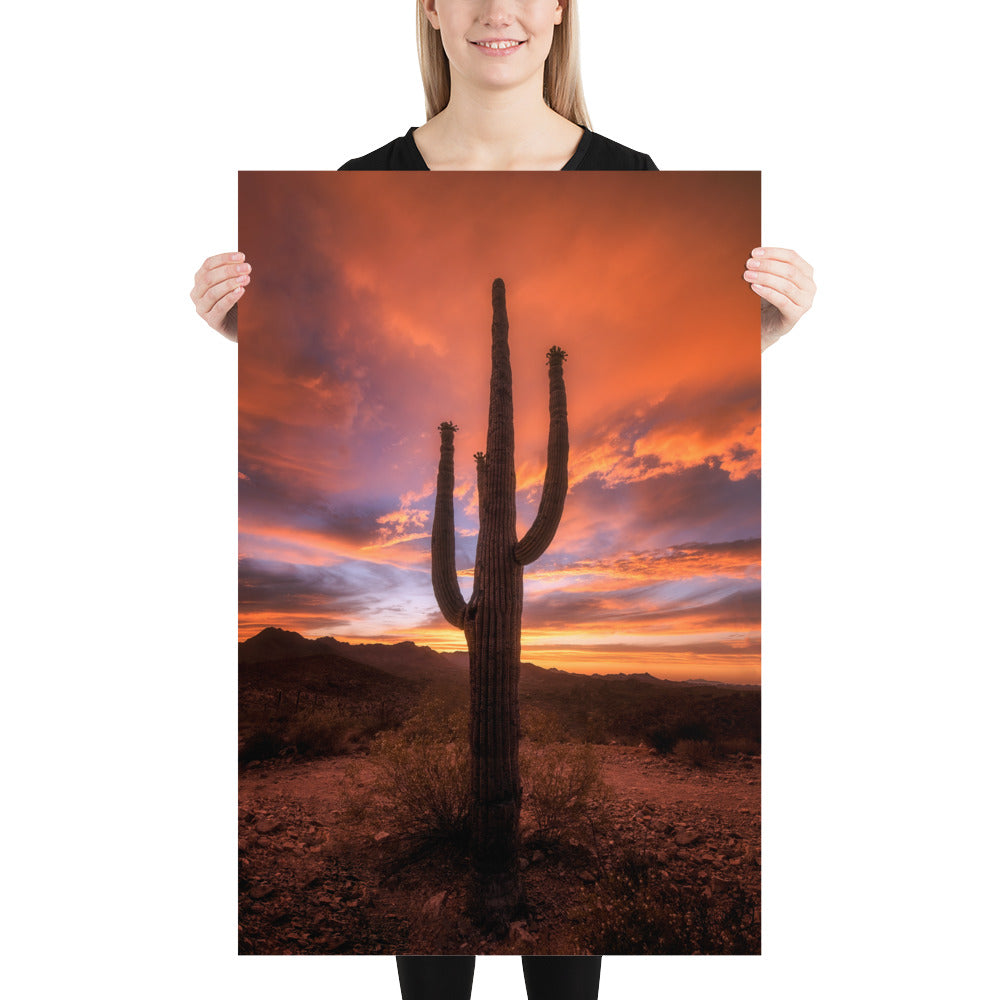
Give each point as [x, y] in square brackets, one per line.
[784, 282]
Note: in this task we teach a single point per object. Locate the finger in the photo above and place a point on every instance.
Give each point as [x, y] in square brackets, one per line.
[779, 300]
[762, 265]
[783, 254]
[788, 288]
[806, 286]
[216, 275]
[217, 313]
[207, 302]
[233, 257]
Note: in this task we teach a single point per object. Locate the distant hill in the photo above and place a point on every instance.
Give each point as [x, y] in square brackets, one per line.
[421, 663]
[403, 659]
[700, 682]
[323, 672]
[385, 681]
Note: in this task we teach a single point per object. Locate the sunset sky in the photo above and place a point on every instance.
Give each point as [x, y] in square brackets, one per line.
[367, 323]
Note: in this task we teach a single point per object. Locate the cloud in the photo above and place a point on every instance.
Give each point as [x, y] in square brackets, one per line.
[368, 324]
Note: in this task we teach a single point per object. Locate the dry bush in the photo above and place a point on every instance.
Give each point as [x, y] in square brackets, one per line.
[564, 790]
[664, 737]
[421, 786]
[542, 726]
[639, 911]
[318, 731]
[697, 753]
[738, 745]
[262, 743]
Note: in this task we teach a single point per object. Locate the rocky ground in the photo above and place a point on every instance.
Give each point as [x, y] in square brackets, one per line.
[307, 888]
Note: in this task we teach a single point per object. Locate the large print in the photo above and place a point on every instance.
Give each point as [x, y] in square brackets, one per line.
[499, 578]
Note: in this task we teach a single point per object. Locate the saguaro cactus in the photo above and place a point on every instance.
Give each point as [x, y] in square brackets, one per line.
[491, 620]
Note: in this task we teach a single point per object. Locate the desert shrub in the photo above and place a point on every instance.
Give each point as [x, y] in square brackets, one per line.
[638, 910]
[697, 753]
[661, 738]
[421, 788]
[261, 744]
[564, 791]
[738, 745]
[318, 731]
[664, 737]
[542, 726]
[364, 727]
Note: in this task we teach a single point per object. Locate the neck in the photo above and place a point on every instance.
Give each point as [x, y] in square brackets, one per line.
[491, 126]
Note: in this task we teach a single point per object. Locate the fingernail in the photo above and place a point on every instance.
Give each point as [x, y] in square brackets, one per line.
[237, 256]
[757, 252]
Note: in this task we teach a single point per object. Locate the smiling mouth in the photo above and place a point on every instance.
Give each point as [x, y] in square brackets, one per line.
[500, 45]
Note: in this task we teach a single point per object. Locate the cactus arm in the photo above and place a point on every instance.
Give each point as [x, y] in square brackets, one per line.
[550, 509]
[476, 578]
[443, 574]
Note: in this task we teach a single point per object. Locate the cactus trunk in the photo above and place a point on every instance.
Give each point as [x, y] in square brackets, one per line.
[492, 619]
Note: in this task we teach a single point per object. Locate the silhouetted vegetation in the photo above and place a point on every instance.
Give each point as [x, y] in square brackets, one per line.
[328, 704]
[641, 911]
[563, 792]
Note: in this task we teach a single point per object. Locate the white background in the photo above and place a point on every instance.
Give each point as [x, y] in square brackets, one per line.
[125, 126]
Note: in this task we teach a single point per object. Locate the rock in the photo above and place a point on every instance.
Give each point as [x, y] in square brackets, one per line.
[519, 932]
[433, 905]
[268, 825]
[720, 885]
[686, 837]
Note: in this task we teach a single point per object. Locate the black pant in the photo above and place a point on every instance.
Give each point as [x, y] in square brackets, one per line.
[546, 977]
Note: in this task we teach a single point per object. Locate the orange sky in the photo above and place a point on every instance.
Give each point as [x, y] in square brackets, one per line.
[367, 323]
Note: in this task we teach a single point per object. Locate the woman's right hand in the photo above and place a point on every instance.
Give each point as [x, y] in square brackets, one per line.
[218, 285]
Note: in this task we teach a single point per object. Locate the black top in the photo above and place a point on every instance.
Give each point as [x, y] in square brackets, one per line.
[594, 152]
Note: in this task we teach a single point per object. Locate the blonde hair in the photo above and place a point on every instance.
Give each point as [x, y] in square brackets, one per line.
[562, 89]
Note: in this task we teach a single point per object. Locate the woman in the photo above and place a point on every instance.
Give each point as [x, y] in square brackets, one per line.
[503, 92]
[493, 105]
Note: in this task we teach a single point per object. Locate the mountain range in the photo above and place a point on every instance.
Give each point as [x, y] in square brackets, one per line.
[273, 646]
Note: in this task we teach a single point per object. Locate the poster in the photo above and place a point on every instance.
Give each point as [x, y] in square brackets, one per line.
[542, 737]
